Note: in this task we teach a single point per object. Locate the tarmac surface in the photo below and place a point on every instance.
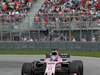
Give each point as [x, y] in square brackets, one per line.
[11, 64]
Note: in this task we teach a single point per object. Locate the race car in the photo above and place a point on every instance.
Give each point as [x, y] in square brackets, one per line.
[54, 64]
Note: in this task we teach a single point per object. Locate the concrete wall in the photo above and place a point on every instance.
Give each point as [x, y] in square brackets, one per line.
[68, 46]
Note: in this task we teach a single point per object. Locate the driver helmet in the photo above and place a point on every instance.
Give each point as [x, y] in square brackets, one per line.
[53, 58]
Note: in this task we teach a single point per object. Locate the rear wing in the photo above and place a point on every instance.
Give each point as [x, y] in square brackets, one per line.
[64, 55]
[54, 49]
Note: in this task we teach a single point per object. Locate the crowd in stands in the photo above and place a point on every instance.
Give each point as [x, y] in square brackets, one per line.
[26, 39]
[51, 12]
[13, 11]
[54, 11]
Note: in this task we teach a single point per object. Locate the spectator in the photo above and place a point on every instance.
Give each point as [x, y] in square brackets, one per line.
[35, 39]
[25, 39]
[93, 39]
[84, 39]
[73, 39]
[22, 39]
[30, 40]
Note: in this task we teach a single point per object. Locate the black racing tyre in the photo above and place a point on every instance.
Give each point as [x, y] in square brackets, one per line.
[72, 68]
[26, 69]
[47, 55]
[80, 64]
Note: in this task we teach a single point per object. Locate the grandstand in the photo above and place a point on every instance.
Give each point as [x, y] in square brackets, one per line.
[50, 20]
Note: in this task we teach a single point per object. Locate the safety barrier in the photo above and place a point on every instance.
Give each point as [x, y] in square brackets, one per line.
[68, 46]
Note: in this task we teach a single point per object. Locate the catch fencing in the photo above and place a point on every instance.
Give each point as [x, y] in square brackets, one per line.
[55, 25]
[66, 46]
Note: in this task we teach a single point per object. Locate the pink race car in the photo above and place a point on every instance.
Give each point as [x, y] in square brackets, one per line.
[54, 64]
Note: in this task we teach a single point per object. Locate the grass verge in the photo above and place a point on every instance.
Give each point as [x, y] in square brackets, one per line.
[43, 52]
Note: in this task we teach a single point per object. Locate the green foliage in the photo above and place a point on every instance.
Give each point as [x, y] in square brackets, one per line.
[43, 52]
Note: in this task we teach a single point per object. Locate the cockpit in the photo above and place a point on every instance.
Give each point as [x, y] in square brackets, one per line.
[54, 56]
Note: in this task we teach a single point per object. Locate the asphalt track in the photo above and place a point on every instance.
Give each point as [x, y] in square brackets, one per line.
[11, 64]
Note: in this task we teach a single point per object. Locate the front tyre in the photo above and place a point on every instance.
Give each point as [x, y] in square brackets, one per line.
[73, 68]
[26, 69]
[80, 64]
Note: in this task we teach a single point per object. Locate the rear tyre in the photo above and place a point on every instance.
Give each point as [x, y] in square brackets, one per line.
[26, 69]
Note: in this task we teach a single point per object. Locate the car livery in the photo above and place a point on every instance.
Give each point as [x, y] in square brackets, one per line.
[54, 64]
